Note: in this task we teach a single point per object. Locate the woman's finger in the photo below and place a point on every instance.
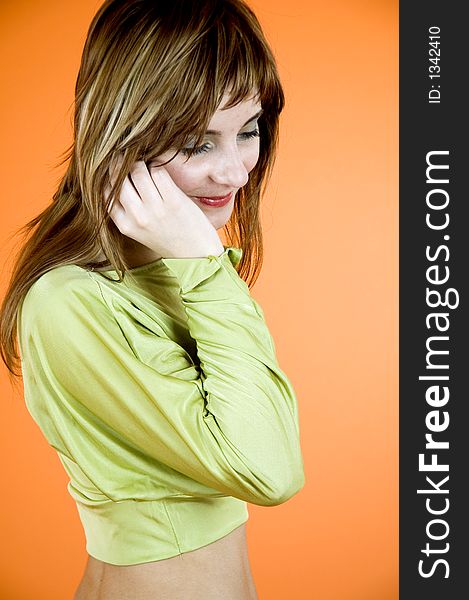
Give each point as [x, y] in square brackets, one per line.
[129, 196]
[163, 183]
[144, 183]
[115, 209]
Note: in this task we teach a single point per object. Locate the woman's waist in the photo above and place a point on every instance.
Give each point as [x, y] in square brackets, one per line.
[220, 569]
[130, 532]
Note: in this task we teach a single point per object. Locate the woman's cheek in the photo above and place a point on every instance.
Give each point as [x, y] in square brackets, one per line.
[189, 178]
[186, 177]
[252, 157]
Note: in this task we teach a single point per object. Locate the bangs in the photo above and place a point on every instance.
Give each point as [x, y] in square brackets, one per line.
[232, 58]
[189, 64]
[245, 66]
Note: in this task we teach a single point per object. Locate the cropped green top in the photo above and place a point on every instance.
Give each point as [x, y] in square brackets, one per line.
[164, 400]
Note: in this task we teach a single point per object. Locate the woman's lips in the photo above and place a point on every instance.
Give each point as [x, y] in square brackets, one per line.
[214, 200]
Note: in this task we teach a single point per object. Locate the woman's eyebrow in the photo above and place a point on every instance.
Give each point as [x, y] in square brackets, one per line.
[258, 114]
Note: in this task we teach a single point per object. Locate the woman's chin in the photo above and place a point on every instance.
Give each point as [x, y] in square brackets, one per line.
[218, 217]
[217, 221]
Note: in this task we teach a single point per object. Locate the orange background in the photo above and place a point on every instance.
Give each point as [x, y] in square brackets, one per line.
[329, 289]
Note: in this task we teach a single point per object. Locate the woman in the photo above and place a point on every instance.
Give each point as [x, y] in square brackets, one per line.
[146, 363]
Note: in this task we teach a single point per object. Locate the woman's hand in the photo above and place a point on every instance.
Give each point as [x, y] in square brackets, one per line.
[161, 216]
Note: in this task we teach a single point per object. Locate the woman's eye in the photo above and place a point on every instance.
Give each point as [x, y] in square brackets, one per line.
[197, 150]
[250, 134]
[205, 147]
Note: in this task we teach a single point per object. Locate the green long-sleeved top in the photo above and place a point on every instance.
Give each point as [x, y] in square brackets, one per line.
[164, 400]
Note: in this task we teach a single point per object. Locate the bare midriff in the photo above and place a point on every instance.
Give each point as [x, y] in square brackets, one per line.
[217, 571]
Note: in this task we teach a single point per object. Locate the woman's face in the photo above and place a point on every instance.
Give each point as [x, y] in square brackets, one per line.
[228, 153]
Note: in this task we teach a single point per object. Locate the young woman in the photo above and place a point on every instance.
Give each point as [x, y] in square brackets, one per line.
[146, 363]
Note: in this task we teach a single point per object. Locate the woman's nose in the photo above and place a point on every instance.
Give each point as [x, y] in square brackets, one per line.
[229, 170]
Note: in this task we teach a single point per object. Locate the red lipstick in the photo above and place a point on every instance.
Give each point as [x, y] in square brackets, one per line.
[215, 201]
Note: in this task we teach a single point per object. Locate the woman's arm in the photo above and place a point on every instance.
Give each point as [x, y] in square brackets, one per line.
[234, 428]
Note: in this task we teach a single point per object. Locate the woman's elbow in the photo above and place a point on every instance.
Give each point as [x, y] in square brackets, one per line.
[282, 489]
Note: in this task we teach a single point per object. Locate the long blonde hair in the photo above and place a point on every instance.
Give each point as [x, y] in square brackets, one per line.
[152, 74]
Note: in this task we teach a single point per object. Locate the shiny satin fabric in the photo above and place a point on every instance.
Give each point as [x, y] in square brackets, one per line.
[164, 400]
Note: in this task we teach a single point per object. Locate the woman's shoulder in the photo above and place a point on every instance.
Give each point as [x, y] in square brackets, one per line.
[59, 289]
[59, 280]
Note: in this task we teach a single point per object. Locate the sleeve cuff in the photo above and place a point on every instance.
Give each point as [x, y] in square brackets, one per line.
[190, 272]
